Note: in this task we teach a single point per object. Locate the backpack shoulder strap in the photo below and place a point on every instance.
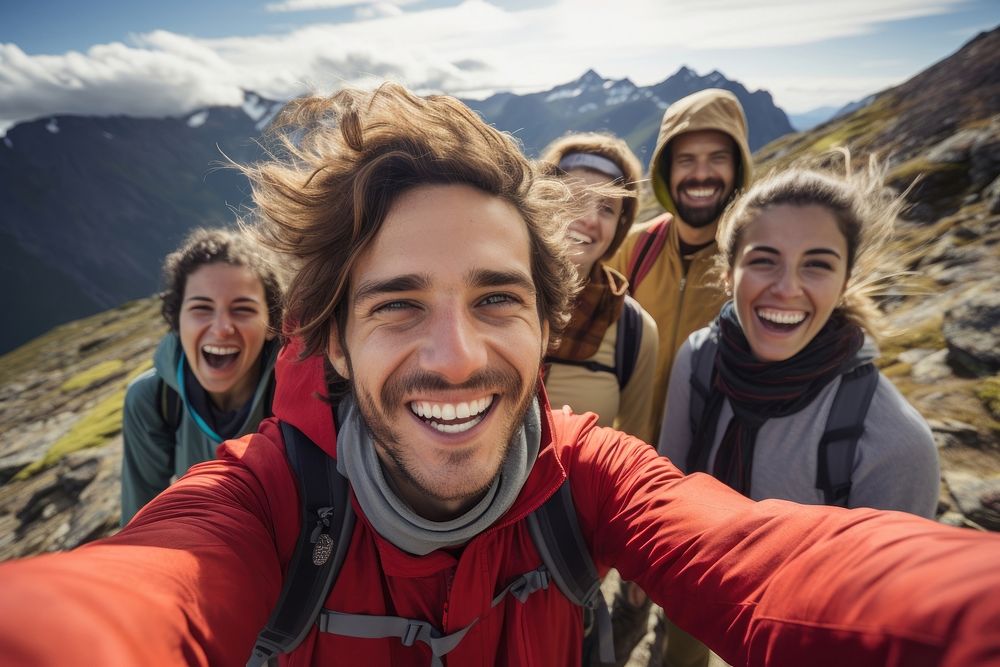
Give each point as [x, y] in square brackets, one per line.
[702, 364]
[645, 252]
[170, 405]
[325, 534]
[844, 427]
[556, 533]
[628, 342]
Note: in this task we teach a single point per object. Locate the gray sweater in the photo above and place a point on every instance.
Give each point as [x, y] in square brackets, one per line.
[895, 465]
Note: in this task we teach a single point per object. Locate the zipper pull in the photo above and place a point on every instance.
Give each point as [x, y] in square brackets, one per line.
[320, 537]
[684, 280]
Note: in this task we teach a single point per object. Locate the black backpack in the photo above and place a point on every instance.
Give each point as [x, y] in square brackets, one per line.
[844, 424]
[626, 346]
[325, 535]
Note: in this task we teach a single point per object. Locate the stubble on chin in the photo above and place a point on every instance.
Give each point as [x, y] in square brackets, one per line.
[451, 477]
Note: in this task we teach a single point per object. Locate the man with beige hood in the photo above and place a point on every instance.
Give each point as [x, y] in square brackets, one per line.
[701, 161]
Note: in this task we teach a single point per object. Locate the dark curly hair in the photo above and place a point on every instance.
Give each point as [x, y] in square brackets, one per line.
[211, 246]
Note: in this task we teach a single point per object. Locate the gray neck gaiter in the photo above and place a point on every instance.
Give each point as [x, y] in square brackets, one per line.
[393, 518]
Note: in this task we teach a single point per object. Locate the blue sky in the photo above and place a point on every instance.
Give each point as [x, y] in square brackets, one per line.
[153, 59]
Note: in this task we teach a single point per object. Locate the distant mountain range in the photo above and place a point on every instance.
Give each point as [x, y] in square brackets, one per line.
[807, 120]
[593, 103]
[90, 205]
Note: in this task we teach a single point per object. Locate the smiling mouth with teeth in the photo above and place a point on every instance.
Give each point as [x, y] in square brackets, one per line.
[452, 417]
[700, 193]
[780, 320]
[219, 356]
[578, 238]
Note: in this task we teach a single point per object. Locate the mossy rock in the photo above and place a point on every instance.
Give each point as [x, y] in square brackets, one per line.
[897, 370]
[93, 429]
[929, 337]
[95, 375]
[988, 392]
[100, 424]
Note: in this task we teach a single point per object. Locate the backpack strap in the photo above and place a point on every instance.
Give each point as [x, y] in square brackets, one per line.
[555, 531]
[325, 535]
[645, 252]
[170, 405]
[589, 364]
[844, 427]
[326, 511]
[702, 365]
[409, 630]
[628, 342]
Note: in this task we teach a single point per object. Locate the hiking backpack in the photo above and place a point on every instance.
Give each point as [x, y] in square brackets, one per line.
[626, 346]
[324, 538]
[844, 424]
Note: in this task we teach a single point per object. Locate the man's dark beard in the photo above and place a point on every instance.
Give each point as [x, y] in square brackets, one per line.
[702, 216]
[503, 382]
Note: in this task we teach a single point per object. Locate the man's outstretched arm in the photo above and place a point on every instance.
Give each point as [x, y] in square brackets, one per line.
[190, 581]
[776, 583]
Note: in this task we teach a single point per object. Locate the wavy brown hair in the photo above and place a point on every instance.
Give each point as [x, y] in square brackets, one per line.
[339, 163]
[612, 148]
[864, 208]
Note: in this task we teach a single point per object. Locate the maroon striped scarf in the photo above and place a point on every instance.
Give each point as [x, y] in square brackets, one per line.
[760, 390]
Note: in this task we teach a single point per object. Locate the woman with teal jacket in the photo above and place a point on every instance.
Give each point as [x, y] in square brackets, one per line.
[212, 377]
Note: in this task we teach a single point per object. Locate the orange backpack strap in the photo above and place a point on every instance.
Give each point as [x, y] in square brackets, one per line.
[645, 252]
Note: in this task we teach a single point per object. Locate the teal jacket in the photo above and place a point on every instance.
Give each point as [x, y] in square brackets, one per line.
[154, 454]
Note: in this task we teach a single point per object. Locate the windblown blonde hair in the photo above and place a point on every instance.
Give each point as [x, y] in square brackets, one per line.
[339, 163]
[866, 212]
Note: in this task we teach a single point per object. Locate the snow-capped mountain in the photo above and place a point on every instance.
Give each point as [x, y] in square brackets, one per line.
[90, 205]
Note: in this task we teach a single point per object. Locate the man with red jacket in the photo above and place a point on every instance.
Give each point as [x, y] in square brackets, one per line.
[428, 278]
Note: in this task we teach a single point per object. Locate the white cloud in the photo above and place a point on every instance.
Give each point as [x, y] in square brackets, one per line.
[311, 5]
[472, 47]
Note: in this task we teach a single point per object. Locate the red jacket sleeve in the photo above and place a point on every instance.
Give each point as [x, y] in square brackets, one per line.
[191, 580]
[776, 583]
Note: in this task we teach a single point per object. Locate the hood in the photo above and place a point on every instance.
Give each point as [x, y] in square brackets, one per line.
[710, 109]
[299, 399]
[168, 354]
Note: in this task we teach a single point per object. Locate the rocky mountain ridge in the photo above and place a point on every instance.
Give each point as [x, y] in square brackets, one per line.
[90, 205]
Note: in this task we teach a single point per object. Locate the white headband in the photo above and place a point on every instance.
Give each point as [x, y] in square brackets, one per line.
[590, 161]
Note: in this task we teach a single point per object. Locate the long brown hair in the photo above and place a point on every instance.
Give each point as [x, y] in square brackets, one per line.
[864, 208]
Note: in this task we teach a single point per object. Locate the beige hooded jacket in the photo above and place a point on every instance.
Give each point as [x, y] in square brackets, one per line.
[683, 300]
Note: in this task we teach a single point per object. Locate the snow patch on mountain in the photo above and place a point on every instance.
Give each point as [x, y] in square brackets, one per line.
[563, 94]
[269, 115]
[197, 119]
[52, 126]
[254, 107]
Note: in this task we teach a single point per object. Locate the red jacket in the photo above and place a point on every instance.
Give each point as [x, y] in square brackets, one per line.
[194, 576]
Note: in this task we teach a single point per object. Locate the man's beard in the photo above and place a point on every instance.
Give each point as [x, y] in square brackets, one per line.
[701, 216]
[507, 383]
